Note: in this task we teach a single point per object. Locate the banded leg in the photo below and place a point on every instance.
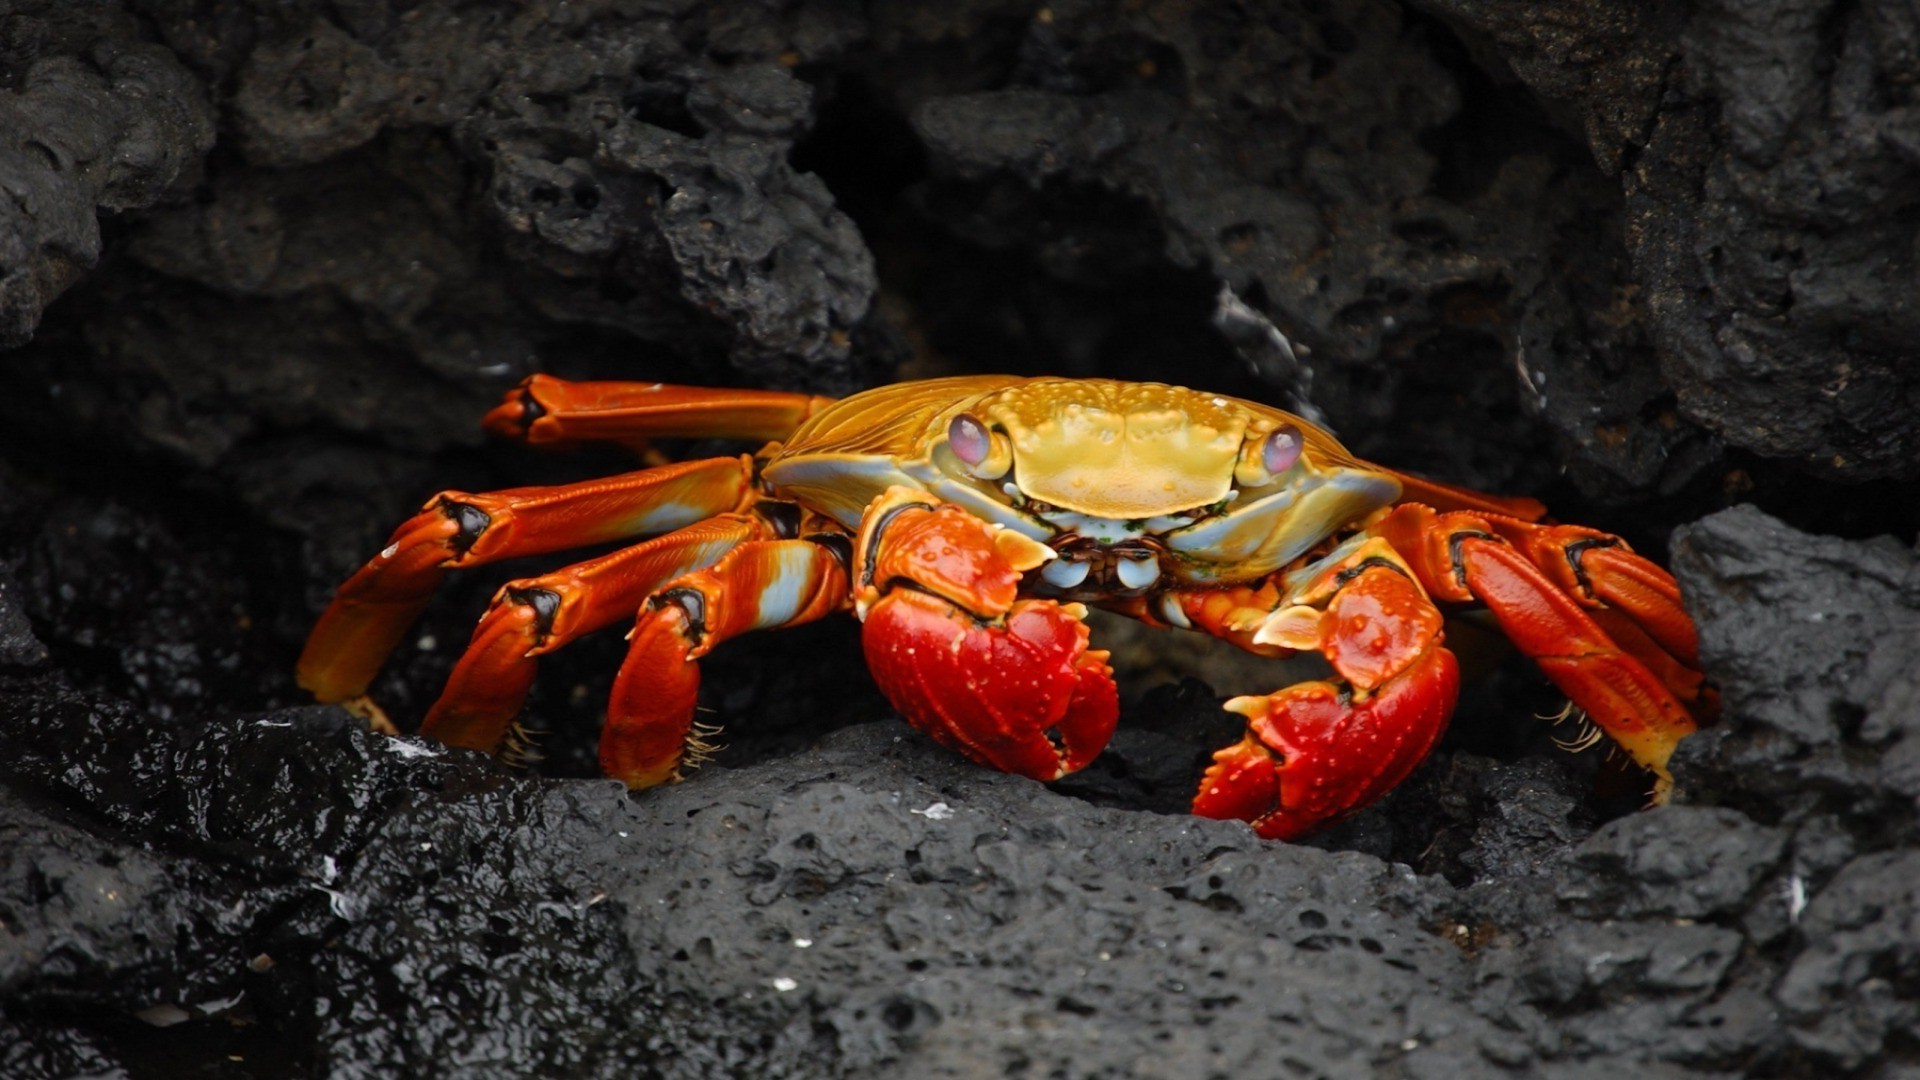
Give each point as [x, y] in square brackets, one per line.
[375, 606]
[649, 736]
[1603, 623]
[1009, 683]
[545, 411]
[1317, 751]
[535, 616]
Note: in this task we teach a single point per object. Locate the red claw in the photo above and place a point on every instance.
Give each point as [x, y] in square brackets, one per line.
[1310, 757]
[1025, 697]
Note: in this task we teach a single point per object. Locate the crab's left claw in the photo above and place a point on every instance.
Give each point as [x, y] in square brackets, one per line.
[1009, 684]
[1313, 755]
[1317, 751]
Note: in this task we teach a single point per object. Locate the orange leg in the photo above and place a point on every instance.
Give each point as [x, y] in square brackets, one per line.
[545, 411]
[1009, 683]
[1317, 751]
[650, 735]
[535, 616]
[1419, 489]
[375, 606]
[1603, 623]
[1605, 575]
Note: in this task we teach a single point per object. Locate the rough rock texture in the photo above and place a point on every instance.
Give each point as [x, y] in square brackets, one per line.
[1770, 158]
[1843, 701]
[411, 213]
[1644, 261]
[310, 899]
[98, 121]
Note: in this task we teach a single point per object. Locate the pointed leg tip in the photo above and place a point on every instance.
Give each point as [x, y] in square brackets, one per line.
[375, 717]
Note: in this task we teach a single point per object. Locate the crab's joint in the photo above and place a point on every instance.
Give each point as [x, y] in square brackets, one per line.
[1367, 564]
[841, 546]
[693, 604]
[879, 531]
[471, 520]
[545, 605]
[782, 517]
[907, 584]
[1136, 575]
[530, 408]
[1458, 558]
[1577, 549]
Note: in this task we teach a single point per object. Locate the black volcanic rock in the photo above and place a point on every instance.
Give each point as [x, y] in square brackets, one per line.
[98, 121]
[1818, 671]
[872, 903]
[1770, 158]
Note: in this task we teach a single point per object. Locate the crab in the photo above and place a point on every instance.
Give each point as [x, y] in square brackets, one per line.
[968, 522]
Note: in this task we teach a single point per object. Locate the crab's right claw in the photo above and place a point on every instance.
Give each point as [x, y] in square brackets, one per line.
[1025, 696]
[1009, 683]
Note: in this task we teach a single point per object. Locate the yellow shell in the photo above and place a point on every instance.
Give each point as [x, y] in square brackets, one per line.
[1119, 450]
[1110, 449]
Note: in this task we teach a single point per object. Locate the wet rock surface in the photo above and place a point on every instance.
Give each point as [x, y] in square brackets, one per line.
[1643, 265]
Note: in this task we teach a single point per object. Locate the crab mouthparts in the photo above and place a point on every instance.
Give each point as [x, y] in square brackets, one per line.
[1092, 567]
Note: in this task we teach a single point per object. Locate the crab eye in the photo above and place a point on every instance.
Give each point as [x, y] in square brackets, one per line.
[1282, 449]
[969, 439]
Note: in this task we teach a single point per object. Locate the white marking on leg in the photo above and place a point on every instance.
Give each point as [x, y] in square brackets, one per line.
[667, 516]
[782, 596]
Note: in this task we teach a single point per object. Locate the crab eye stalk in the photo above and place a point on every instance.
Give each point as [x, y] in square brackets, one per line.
[984, 454]
[969, 438]
[1281, 449]
[1267, 456]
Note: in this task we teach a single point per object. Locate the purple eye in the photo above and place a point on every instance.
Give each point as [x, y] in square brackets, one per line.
[969, 439]
[1282, 449]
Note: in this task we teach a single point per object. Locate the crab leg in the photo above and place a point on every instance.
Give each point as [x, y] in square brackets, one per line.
[534, 616]
[1600, 571]
[1317, 751]
[1009, 683]
[1604, 624]
[456, 530]
[1444, 496]
[650, 735]
[545, 411]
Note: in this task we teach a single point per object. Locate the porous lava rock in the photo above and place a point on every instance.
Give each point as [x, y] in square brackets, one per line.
[1769, 155]
[310, 898]
[98, 121]
[275, 257]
